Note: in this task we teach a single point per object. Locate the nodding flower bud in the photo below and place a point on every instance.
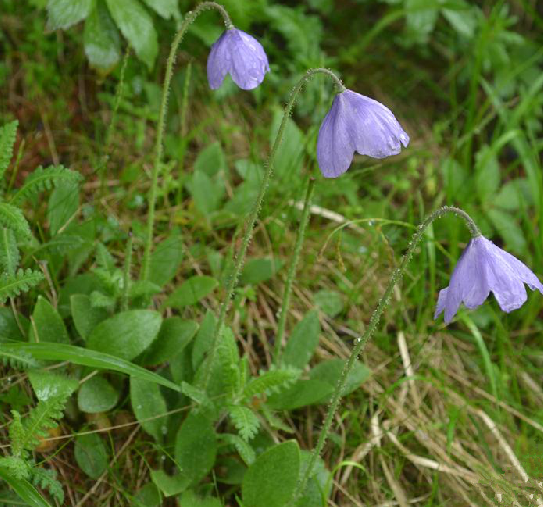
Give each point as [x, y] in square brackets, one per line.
[240, 55]
[483, 268]
[356, 123]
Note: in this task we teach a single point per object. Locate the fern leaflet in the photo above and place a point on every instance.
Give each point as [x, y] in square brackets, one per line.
[9, 253]
[7, 140]
[20, 360]
[43, 179]
[244, 449]
[47, 479]
[13, 218]
[246, 421]
[271, 381]
[18, 467]
[22, 281]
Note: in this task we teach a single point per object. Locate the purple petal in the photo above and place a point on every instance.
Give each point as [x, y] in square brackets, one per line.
[240, 55]
[356, 123]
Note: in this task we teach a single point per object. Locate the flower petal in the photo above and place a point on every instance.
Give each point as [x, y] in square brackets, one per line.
[219, 61]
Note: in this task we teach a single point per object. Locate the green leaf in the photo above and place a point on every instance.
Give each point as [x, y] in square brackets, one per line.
[175, 334]
[9, 253]
[97, 395]
[170, 485]
[514, 195]
[211, 160]
[190, 498]
[303, 341]
[330, 302]
[288, 158]
[192, 290]
[127, 334]
[256, 271]
[82, 356]
[329, 371]
[245, 420]
[147, 404]
[271, 381]
[304, 392]
[21, 282]
[137, 27]
[207, 192]
[49, 384]
[9, 328]
[24, 489]
[242, 447]
[203, 339]
[48, 325]
[148, 495]
[464, 21]
[164, 8]
[8, 134]
[85, 316]
[63, 204]
[488, 173]
[165, 260]
[91, 455]
[101, 38]
[11, 217]
[421, 17]
[271, 480]
[196, 394]
[318, 486]
[509, 229]
[65, 13]
[42, 179]
[196, 446]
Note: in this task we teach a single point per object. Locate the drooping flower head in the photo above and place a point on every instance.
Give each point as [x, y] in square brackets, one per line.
[356, 123]
[484, 267]
[240, 55]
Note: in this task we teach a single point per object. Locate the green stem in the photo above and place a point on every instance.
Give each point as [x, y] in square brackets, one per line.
[126, 273]
[361, 342]
[239, 261]
[184, 101]
[189, 18]
[292, 271]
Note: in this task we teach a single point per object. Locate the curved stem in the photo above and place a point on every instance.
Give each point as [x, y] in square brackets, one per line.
[189, 18]
[239, 261]
[292, 270]
[361, 342]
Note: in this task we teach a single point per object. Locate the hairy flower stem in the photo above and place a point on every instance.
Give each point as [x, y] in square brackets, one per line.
[189, 18]
[361, 342]
[239, 260]
[292, 271]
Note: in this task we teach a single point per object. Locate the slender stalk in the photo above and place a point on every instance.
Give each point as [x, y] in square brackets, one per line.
[126, 273]
[292, 271]
[361, 342]
[116, 103]
[189, 18]
[239, 261]
[184, 102]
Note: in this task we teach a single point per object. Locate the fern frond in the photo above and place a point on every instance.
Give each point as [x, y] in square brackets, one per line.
[11, 217]
[43, 179]
[9, 253]
[22, 281]
[228, 359]
[18, 467]
[244, 449]
[271, 381]
[42, 418]
[246, 421]
[47, 479]
[7, 141]
[17, 436]
[20, 360]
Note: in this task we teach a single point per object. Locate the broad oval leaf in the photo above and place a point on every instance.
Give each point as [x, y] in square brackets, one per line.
[65, 13]
[304, 392]
[196, 446]
[91, 455]
[48, 325]
[97, 395]
[148, 403]
[192, 290]
[85, 316]
[101, 38]
[329, 371]
[272, 478]
[127, 334]
[303, 341]
[165, 259]
[174, 335]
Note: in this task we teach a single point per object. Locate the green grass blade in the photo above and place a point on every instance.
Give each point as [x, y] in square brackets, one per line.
[24, 489]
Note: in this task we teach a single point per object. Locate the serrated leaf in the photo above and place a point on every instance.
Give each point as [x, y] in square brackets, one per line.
[24, 489]
[192, 290]
[271, 381]
[65, 13]
[195, 448]
[271, 480]
[245, 420]
[136, 26]
[22, 281]
[9, 253]
[91, 455]
[11, 217]
[148, 404]
[8, 134]
[42, 179]
[50, 384]
[126, 334]
[97, 395]
[101, 38]
[303, 341]
[242, 447]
